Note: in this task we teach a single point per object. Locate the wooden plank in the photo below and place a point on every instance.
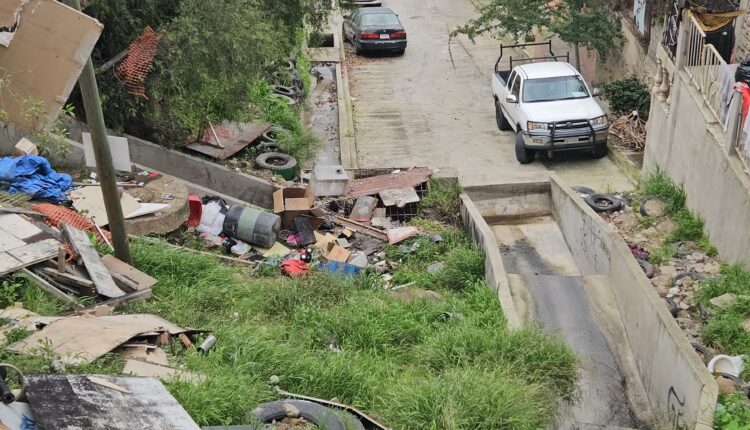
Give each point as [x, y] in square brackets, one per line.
[46, 286]
[361, 228]
[98, 272]
[8, 241]
[16, 210]
[27, 255]
[68, 402]
[119, 267]
[128, 298]
[18, 227]
[67, 278]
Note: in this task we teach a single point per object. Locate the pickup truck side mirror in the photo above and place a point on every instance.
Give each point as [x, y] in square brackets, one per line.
[510, 98]
[597, 92]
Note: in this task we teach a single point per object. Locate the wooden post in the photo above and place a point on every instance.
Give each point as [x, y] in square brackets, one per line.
[95, 119]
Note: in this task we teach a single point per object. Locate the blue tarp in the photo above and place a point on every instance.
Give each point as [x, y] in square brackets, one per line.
[33, 175]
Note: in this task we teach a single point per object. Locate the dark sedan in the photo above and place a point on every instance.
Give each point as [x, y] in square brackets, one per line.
[375, 29]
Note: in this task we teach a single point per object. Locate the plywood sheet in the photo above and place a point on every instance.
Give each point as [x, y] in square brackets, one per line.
[49, 49]
[83, 339]
[238, 136]
[118, 147]
[27, 255]
[73, 402]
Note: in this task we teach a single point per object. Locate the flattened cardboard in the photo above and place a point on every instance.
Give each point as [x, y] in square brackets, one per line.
[50, 46]
[165, 373]
[336, 253]
[91, 201]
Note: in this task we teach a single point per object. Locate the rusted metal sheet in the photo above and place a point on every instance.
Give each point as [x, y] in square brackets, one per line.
[375, 184]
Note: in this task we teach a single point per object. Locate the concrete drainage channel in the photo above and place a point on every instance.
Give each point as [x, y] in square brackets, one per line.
[552, 259]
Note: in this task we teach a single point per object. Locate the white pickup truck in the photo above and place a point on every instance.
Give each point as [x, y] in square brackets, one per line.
[546, 101]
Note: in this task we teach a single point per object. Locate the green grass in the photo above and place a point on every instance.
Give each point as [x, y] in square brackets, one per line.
[732, 413]
[402, 362]
[689, 226]
[723, 328]
[442, 200]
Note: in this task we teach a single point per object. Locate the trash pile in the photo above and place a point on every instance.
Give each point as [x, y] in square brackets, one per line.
[326, 221]
[631, 130]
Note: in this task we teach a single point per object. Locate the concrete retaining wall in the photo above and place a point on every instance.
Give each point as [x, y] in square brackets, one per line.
[686, 143]
[510, 201]
[494, 271]
[183, 166]
[679, 387]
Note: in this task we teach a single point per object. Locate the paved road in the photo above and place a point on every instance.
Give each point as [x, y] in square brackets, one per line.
[423, 109]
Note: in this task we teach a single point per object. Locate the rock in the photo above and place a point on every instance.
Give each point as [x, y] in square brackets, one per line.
[666, 227]
[684, 306]
[275, 380]
[668, 270]
[436, 267]
[746, 325]
[233, 162]
[699, 267]
[663, 290]
[726, 386]
[724, 300]
[712, 268]
[409, 295]
[697, 257]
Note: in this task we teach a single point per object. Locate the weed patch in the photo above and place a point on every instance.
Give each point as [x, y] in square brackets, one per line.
[724, 328]
[442, 200]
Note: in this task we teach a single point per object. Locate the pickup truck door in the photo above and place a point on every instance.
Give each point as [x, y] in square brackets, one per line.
[514, 88]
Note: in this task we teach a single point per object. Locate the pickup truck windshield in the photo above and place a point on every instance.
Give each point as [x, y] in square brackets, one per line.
[379, 19]
[551, 89]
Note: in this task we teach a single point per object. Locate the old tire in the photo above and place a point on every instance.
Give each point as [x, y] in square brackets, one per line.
[647, 267]
[283, 90]
[599, 151]
[603, 202]
[282, 164]
[502, 122]
[584, 191]
[523, 154]
[672, 305]
[314, 413]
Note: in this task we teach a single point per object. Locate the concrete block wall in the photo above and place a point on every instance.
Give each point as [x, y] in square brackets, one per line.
[742, 34]
[678, 386]
[494, 271]
[686, 143]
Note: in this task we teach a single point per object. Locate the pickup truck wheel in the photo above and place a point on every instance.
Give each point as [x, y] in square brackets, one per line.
[502, 123]
[523, 154]
[599, 151]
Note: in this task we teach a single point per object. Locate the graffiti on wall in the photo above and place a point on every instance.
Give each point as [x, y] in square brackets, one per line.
[676, 409]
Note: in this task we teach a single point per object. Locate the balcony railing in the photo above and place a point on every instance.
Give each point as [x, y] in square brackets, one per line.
[703, 64]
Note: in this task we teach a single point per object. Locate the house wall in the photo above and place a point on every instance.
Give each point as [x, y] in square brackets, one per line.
[685, 141]
[742, 34]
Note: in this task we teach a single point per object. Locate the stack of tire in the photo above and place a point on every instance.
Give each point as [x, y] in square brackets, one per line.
[271, 158]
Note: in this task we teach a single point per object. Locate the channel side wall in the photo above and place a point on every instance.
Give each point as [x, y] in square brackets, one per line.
[679, 387]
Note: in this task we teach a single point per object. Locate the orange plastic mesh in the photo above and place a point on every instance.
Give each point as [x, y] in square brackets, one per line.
[56, 215]
[222, 132]
[132, 71]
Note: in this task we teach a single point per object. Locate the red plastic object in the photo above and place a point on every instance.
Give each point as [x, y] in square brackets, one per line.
[294, 268]
[195, 206]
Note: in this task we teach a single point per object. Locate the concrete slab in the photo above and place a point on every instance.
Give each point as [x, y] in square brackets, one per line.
[166, 220]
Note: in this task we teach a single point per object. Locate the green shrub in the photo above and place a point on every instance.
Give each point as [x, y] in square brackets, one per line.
[732, 413]
[627, 95]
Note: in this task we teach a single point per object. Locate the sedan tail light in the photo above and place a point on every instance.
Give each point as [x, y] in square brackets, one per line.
[368, 36]
[398, 35]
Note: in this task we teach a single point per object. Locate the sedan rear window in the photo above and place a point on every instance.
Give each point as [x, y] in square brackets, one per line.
[379, 19]
[550, 89]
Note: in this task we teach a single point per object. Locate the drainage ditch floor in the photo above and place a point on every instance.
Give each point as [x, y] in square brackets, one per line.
[535, 250]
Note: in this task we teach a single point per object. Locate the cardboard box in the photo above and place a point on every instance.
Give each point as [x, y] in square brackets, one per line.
[25, 147]
[334, 252]
[289, 203]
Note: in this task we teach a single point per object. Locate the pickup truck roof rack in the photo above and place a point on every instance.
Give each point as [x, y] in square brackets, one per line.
[548, 43]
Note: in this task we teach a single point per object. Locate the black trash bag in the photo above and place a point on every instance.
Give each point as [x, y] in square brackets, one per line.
[743, 72]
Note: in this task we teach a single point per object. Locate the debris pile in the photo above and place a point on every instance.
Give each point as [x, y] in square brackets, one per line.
[631, 130]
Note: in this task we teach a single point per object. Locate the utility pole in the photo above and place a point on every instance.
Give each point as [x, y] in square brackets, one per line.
[95, 119]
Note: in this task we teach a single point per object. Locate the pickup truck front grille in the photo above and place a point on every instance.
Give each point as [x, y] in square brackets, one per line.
[572, 128]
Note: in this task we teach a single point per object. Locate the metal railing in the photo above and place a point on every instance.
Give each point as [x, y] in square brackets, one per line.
[742, 144]
[703, 64]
